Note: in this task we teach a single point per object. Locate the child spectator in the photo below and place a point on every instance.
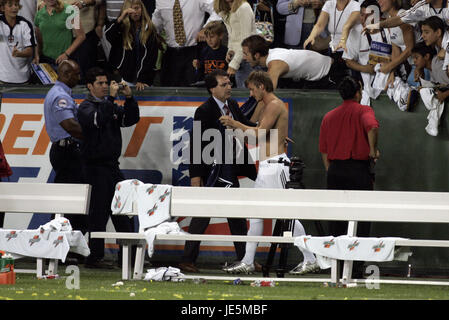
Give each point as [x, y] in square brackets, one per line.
[16, 44]
[134, 44]
[54, 37]
[213, 55]
[434, 95]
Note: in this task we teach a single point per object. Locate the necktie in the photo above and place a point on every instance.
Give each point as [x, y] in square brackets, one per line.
[227, 110]
[180, 35]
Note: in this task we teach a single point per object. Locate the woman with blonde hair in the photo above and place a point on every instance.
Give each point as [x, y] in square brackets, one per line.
[54, 32]
[134, 44]
[238, 17]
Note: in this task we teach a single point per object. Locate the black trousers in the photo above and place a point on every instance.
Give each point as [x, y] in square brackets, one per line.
[177, 69]
[66, 162]
[103, 179]
[350, 175]
[237, 226]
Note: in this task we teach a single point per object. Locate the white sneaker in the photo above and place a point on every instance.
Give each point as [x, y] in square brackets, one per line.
[240, 267]
[305, 267]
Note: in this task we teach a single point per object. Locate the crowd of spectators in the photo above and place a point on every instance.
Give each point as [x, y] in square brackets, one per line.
[176, 42]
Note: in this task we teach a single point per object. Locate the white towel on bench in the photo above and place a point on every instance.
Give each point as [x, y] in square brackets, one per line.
[153, 204]
[347, 248]
[57, 224]
[163, 228]
[163, 274]
[124, 196]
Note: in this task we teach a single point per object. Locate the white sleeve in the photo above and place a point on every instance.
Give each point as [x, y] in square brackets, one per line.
[208, 6]
[27, 34]
[328, 6]
[414, 14]
[157, 20]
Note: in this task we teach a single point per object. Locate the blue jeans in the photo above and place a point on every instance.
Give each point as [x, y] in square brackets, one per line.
[242, 74]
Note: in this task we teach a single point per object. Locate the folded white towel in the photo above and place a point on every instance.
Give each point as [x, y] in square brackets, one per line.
[163, 274]
[163, 228]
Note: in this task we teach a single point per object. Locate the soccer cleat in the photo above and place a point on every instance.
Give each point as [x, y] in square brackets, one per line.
[305, 267]
[240, 267]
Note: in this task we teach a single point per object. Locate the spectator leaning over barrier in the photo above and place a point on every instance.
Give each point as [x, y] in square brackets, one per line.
[55, 24]
[348, 145]
[287, 63]
[61, 123]
[213, 55]
[238, 17]
[435, 34]
[270, 135]
[101, 120]
[219, 169]
[300, 19]
[419, 12]
[182, 22]
[134, 45]
[17, 44]
[335, 14]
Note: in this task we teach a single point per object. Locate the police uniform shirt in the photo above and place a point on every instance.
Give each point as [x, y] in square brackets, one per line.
[15, 69]
[59, 106]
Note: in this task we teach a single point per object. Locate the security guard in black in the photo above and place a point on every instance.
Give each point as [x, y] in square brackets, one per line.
[101, 119]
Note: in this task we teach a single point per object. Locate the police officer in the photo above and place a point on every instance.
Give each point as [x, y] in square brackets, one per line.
[101, 120]
[60, 111]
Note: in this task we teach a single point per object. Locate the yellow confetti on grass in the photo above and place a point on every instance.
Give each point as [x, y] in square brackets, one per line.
[179, 296]
[46, 294]
[34, 294]
[80, 298]
[19, 292]
[144, 289]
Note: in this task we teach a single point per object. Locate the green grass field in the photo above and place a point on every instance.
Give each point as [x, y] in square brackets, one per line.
[98, 285]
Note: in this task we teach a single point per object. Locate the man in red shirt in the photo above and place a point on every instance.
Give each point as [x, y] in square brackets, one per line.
[348, 145]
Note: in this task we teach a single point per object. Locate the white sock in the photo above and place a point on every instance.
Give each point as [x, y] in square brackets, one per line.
[255, 229]
[300, 231]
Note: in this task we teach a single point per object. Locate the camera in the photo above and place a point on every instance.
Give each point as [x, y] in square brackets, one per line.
[296, 169]
[121, 86]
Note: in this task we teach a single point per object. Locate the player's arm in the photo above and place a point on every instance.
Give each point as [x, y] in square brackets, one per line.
[271, 114]
[276, 69]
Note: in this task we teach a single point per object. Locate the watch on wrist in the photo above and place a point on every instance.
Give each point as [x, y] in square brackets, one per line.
[83, 4]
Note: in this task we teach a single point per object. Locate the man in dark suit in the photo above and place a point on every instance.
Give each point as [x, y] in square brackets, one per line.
[217, 171]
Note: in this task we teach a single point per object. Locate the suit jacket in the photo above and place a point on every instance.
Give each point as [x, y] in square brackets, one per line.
[208, 114]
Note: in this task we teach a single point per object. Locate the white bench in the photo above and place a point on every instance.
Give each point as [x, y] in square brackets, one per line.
[330, 205]
[53, 198]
